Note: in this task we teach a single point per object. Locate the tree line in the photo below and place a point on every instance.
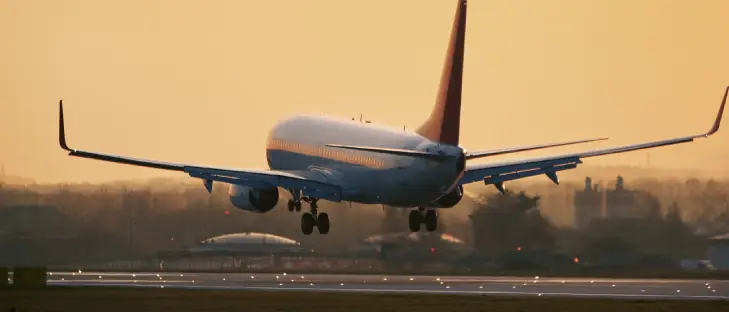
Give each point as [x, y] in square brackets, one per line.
[106, 222]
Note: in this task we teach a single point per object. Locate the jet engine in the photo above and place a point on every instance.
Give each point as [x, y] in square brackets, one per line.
[252, 199]
[449, 200]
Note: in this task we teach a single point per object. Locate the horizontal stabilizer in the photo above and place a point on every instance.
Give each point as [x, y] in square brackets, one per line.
[509, 150]
[392, 151]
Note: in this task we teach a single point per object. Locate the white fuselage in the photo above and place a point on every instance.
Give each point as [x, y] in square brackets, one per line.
[299, 143]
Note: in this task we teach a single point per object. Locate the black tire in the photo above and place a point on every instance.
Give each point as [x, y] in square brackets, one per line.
[431, 220]
[322, 223]
[414, 220]
[307, 223]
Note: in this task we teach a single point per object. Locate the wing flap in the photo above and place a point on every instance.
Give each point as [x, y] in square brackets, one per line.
[307, 183]
[530, 173]
[499, 172]
[502, 151]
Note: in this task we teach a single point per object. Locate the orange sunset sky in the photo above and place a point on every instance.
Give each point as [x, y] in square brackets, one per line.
[203, 81]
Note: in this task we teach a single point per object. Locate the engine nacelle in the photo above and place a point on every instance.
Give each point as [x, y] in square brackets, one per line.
[251, 199]
[449, 200]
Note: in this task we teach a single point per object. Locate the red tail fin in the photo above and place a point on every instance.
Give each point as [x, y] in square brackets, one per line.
[443, 125]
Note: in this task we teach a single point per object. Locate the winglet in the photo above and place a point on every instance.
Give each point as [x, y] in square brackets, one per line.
[717, 122]
[61, 128]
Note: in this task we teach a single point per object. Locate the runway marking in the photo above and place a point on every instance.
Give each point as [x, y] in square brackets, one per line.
[118, 282]
[428, 291]
[624, 288]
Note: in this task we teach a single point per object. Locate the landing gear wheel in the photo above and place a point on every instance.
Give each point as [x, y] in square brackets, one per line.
[415, 218]
[430, 220]
[307, 223]
[322, 223]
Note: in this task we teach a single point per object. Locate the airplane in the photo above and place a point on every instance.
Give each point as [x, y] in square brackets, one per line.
[315, 157]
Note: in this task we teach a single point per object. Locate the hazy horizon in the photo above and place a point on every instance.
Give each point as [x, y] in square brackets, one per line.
[599, 174]
[203, 82]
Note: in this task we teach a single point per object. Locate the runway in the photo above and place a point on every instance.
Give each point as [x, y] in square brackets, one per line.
[465, 285]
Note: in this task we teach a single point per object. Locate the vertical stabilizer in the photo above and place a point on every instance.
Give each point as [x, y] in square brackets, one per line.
[443, 125]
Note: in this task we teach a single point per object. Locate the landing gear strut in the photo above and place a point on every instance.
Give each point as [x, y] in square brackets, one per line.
[312, 219]
[294, 204]
[423, 215]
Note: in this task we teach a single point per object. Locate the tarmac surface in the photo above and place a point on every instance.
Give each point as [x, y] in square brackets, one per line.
[654, 289]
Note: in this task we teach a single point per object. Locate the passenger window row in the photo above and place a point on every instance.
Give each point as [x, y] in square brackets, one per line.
[330, 153]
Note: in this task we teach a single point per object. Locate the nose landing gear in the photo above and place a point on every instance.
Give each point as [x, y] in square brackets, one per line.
[423, 215]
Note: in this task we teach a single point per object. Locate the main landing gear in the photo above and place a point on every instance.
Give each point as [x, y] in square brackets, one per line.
[294, 205]
[423, 215]
[311, 219]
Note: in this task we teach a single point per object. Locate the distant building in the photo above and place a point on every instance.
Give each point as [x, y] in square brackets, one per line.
[589, 204]
[592, 203]
[624, 203]
[718, 252]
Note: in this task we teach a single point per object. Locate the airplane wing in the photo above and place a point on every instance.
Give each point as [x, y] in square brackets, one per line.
[509, 150]
[500, 172]
[310, 183]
